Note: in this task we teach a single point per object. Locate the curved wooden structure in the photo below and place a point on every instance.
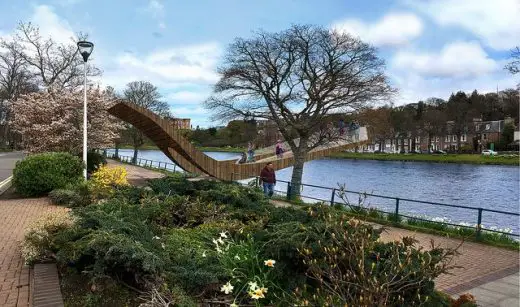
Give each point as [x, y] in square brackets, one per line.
[183, 153]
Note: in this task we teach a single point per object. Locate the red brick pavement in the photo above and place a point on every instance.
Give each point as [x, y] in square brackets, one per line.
[15, 215]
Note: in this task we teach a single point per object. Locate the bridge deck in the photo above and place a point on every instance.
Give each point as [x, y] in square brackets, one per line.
[177, 148]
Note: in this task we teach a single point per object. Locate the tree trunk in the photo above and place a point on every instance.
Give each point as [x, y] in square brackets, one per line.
[458, 142]
[116, 154]
[429, 143]
[402, 144]
[297, 174]
[299, 159]
[134, 159]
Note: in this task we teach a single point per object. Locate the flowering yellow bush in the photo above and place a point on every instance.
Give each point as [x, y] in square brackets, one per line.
[105, 178]
[37, 242]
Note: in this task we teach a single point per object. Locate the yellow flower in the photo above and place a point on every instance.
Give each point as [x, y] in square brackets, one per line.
[227, 288]
[257, 294]
[270, 263]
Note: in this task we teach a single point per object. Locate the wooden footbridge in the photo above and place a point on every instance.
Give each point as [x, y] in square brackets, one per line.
[176, 147]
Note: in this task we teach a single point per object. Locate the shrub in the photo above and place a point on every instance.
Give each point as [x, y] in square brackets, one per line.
[38, 243]
[349, 266]
[105, 179]
[194, 264]
[94, 161]
[64, 197]
[73, 195]
[39, 174]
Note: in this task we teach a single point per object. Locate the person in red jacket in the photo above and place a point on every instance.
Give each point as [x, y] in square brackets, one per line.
[268, 179]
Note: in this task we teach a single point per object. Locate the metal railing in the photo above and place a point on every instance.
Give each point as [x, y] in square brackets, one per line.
[146, 163]
[395, 206]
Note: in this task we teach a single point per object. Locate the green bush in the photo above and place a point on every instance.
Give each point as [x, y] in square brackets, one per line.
[39, 174]
[73, 195]
[94, 161]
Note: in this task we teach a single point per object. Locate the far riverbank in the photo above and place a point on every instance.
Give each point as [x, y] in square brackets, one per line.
[447, 158]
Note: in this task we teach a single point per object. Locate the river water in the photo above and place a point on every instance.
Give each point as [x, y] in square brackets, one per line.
[486, 186]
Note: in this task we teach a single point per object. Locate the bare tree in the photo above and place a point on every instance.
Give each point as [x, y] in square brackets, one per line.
[514, 65]
[297, 78]
[146, 95]
[15, 80]
[51, 63]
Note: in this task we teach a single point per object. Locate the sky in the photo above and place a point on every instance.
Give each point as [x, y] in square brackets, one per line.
[431, 47]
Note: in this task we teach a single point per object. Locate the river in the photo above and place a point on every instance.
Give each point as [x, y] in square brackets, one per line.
[486, 186]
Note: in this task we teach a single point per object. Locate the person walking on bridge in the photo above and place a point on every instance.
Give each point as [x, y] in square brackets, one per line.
[250, 152]
[279, 149]
[268, 179]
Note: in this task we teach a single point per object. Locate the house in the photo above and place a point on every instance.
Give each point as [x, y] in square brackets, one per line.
[180, 123]
[478, 135]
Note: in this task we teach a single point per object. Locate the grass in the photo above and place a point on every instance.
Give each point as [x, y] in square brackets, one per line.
[448, 158]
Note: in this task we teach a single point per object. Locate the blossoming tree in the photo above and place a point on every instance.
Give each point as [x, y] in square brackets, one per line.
[52, 120]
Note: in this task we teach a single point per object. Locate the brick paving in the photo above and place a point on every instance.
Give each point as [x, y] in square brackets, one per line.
[15, 215]
[479, 263]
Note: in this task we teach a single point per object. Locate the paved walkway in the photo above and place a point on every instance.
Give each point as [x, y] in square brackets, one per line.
[499, 293]
[15, 215]
[7, 163]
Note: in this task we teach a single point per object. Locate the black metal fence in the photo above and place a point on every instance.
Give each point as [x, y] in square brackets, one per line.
[383, 204]
[172, 167]
[394, 206]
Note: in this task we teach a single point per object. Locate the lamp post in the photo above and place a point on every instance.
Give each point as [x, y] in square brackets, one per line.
[85, 49]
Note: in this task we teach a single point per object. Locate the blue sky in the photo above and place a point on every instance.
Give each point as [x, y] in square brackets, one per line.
[431, 47]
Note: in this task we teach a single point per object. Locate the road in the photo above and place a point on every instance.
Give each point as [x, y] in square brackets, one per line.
[7, 163]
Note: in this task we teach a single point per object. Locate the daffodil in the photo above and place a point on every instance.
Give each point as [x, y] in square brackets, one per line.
[257, 294]
[227, 288]
[252, 285]
[204, 254]
[270, 263]
[237, 257]
[223, 235]
[219, 240]
[156, 238]
[163, 245]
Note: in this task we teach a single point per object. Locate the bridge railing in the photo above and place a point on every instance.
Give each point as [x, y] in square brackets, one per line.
[399, 208]
[389, 205]
[168, 166]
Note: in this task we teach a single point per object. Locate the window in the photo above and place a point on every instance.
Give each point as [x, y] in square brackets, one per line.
[454, 138]
[447, 138]
[484, 136]
[488, 126]
[436, 139]
[417, 139]
[463, 138]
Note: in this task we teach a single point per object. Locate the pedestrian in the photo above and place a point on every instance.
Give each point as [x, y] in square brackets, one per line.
[279, 149]
[268, 179]
[243, 158]
[250, 152]
[341, 126]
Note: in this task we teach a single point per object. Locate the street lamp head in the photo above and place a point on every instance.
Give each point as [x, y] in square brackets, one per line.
[85, 49]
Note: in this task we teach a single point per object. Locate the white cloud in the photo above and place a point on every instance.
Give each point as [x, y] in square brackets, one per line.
[51, 25]
[457, 59]
[188, 96]
[156, 9]
[413, 87]
[393, 29]
[495, 22]
[188, 70]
